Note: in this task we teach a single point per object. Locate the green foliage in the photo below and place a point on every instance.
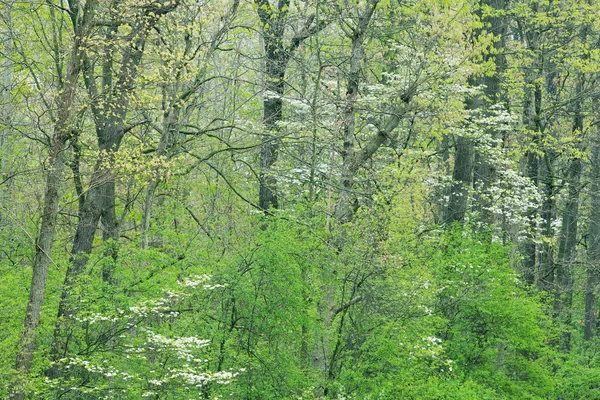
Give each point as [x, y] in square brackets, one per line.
[496, 328]
[213, 298]
[459, 324]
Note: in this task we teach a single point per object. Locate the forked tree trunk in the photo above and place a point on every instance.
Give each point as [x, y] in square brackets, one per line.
[43, 253]
[277, 55]
[100, 199]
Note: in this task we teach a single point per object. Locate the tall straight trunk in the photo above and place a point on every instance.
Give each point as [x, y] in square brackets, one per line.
[592, 270]
[545, 264]
[43, 253]
[6, 107]
[6, 85]
[276, 64]
[470, 167]
[344, 211]
[567, 248]
[532, 120]
[276, 60]
[531, 248]
[484, 172]
[563, 299]
[461, 181]
[593, 266]
[277, 55]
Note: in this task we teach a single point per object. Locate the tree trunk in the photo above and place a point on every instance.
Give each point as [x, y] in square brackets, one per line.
[323, 355]
[277, 55]
[567, 248]
[273, 115]
[6, 86]
[530, 251]
[276, 60]
[593, 266]
[43, 253]
[563, 299]
[469, 165]
[532, 116]
[545, 266]
[484, 172]
[344, 210]
[461, 181]
[100, 199]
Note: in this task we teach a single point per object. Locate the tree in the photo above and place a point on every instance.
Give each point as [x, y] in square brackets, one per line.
[109, 110]
[466, 170]
[274, 21]
[82, 19]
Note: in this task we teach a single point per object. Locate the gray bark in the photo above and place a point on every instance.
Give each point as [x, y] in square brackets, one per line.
[563, 299]
[532, 120]
[470, 165]
[43, 253]
[484, 172]
[99, 201]
[461, 181]
[545, 266]
[6, 85]
[353, 160]
[593, 267]
[344, 211]
[567, 248]
[277, 54]
[276, 60]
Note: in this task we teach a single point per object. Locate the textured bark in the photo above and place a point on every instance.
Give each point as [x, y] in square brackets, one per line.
[6, 84]
[353, 160]
[546, 265]
[593, 266]
[471, 166]
[567, 248]
[563, 299]
[530, 251]
[277, 54]
[276, 60]
[532, 120]
[484, 172]
[461, 181]
[272, 109]
[344, 210]
[100, 199]
[326, 358]
[56, 162]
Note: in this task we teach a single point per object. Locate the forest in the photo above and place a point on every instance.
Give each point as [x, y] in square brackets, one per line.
[299, 199]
